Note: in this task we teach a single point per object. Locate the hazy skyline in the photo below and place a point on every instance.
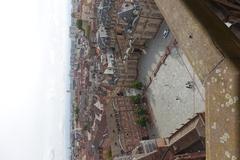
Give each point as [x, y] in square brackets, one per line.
[34, 65]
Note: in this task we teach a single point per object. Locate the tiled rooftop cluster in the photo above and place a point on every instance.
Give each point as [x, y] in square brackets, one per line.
[104, 22]
[98, 70]
[130, 13]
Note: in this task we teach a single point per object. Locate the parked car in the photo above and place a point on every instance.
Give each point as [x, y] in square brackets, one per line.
[165, 33]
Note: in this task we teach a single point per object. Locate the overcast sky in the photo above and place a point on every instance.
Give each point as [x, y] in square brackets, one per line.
[34, 57]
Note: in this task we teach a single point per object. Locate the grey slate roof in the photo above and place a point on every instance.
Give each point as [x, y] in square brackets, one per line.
[130, 15]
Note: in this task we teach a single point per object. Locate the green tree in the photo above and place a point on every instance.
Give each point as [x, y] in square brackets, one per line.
[136, 99]
[109, 154]
[137, 85]
[79, 24]
[86, 126]
[142, 121]
[76, 118]
[77, 110]
[140, 111]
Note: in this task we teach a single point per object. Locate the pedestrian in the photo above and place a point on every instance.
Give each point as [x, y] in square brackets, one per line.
[189, 84]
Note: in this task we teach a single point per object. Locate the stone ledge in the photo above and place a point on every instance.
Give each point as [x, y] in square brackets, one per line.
[214, 53]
